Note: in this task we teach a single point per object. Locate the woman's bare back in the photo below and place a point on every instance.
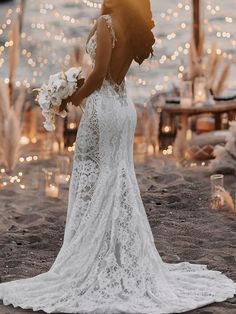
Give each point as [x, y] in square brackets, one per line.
[122, 55]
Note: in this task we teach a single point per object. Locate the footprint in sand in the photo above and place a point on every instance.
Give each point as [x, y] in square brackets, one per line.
[171, 178]
[27, 219]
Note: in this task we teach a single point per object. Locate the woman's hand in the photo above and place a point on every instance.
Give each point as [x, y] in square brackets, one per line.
[75, 98]
[64, 104]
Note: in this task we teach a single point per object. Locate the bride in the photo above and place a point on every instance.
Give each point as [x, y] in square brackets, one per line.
[108, 262]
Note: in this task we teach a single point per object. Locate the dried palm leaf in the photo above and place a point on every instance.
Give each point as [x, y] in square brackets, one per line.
[19, 103]
[220, 85]
[14, 36]
[210, 61]
[215, 66]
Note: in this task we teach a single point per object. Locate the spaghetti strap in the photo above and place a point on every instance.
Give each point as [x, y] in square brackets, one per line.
[109, 23]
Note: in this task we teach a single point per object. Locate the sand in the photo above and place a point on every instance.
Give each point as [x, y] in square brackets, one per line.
[177, 204]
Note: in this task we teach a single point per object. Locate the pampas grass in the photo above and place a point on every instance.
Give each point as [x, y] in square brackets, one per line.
[11, 113]
[11, 146]
[195, 58]
[14, 36]
[214, 68]
[220, 85]
[19, 104]
[10, 127]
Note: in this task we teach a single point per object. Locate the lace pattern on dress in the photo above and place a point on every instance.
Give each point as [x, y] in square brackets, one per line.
[108, 20]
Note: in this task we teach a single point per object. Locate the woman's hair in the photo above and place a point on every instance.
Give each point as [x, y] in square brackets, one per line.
[137, 16]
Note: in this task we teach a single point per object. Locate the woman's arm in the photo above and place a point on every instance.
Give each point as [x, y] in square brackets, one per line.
[102, 61]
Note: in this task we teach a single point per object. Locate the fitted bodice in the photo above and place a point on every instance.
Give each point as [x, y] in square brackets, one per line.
[91, 47]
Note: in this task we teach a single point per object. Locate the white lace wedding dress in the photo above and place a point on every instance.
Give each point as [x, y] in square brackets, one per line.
[108, 262]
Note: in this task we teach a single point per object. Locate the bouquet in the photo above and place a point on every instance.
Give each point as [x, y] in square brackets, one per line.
[51, 95]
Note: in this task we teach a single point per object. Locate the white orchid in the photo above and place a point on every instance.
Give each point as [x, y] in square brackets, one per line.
[56, 100]
[72, 74]
[44, 101]
[49, 126]
[62, 114]
[46, 113]
[62, 89]
[71, 88]
[59, 87]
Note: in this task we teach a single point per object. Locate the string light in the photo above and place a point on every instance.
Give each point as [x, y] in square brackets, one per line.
[162, 60]
[11, 180]
[92, 4]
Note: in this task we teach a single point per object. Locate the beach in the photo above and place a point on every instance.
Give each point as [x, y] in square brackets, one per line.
[176, 200]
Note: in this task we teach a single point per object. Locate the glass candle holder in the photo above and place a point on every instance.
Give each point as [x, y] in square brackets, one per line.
[46, 149]
[63, 164]
[186, 94]
[217, 182]
[51, 183]
[33, 182]
[200, 95]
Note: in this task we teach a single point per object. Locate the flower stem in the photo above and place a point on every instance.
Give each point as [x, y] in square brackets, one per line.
[81, 108]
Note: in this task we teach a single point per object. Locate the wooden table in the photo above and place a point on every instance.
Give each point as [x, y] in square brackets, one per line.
[217, 110]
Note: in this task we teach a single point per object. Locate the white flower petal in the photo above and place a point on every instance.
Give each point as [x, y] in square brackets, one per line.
[73, 73]
[72, 86]
[56, 100]
[62, 114]
[49, 126]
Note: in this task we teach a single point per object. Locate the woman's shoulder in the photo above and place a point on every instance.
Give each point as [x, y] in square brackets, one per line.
[108, 20]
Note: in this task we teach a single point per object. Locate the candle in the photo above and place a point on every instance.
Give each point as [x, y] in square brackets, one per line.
[51, 184]
[62, 178]
[217, 201]
[52, 191]
[72, 126]
[200, 90]
[166, 129]
[24, 140]
[63, 164]
[55, 147]
[186, 94]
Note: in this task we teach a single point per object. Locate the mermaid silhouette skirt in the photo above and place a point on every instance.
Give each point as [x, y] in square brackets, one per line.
[108, 262]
